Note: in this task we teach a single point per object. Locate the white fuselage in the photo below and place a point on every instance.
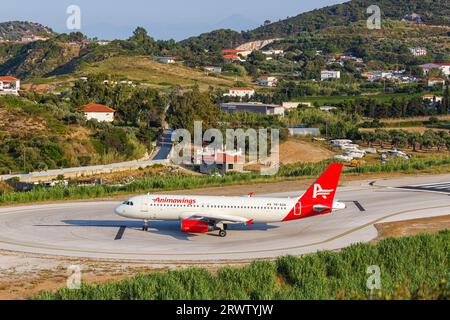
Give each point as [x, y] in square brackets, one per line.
[167, 207]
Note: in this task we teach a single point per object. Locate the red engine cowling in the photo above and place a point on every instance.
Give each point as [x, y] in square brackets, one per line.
[195, 226]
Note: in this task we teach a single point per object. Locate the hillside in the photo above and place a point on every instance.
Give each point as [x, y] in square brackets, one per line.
[39, 136]
[15, 30]
[154, 74]
[436, 12]
[39, 58]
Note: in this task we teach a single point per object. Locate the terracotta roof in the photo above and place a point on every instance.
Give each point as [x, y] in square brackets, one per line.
[242, 89]
[8, 78]
[231, 57]
[93, 107]
[231, 51]
[435, 79]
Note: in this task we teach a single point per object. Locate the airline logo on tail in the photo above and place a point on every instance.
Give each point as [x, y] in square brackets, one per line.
[318, 191]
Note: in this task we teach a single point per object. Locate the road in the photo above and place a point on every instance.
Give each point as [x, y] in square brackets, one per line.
[91, 230]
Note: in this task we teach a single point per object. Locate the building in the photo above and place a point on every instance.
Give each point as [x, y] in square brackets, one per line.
[243, 53]
[214, 70]
[328, 74]
[99, 112]
[9, 85]
[240, 92]
[444, 67]
[435, 81]
[327, 108]
[432, 98]
[418, 51]
[267, 81]
[219, 161]
[232, 57]
[167, 60]
[274, 52]
[32, 38]
[254, 107]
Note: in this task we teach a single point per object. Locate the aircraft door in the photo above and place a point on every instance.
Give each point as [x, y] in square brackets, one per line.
[298, 209]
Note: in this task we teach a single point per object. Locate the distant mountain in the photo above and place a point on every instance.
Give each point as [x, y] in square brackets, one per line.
[236, 22]
[15, 30]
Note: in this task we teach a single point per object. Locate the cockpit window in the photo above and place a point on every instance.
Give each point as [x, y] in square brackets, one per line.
[128, 203]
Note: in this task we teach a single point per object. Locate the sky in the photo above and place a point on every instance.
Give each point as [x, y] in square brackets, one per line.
[176, 19]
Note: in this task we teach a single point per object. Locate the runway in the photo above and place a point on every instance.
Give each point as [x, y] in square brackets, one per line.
[92, 230]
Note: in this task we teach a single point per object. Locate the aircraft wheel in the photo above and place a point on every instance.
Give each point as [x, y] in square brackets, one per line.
[222, 233]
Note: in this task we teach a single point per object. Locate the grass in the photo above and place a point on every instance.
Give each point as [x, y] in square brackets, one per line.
[142, 68]
[183, 182]
[411, 268]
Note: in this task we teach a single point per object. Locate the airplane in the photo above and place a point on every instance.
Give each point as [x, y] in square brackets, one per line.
[203, 214]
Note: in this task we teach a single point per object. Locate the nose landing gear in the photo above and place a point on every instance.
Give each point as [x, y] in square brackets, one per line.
[145, 226]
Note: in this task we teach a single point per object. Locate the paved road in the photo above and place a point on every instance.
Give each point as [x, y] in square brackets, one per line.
[165, 146]
[90, 229]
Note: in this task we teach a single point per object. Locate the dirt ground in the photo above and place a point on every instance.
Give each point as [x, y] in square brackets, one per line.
[293, 151]
[412, 227]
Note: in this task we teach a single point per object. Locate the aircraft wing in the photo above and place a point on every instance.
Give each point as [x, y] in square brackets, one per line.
[219, 218]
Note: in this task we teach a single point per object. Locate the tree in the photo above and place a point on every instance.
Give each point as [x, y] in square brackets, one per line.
[413, 139]
[382, 136]
[193, 106]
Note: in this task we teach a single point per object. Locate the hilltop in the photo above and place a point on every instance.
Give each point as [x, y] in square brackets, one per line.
[431, 12]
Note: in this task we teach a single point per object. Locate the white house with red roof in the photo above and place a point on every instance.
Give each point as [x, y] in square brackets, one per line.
[240, 92]
[98, 112]
[9, 85]
[436, 81]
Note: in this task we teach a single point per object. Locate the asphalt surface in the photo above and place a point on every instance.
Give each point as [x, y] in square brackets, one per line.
[92, 230]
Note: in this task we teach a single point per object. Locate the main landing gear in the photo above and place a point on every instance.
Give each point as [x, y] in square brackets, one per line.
[145, 226]
[223, 231]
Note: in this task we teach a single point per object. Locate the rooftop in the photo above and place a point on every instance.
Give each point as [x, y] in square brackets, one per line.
[8, 78]
[93, 107]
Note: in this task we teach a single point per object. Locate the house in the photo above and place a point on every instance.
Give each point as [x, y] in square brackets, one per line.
[166, 60]
[432, 98]
[328, 74]
[444, 67]
[418, 51]
[413, 17]
[32, 38]
[243, 53]
[267, 81]
[214, 70]
[240, 92]
[9, 85]
[99, 112]
[435, 81]
[232, 57]
[219, 161]
[273, 52]
[253, 107]
[327, 108]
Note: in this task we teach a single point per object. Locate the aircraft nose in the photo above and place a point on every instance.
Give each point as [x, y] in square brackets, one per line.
[119, 210]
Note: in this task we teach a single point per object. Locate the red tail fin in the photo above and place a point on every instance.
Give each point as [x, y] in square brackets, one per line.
[318, 199]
